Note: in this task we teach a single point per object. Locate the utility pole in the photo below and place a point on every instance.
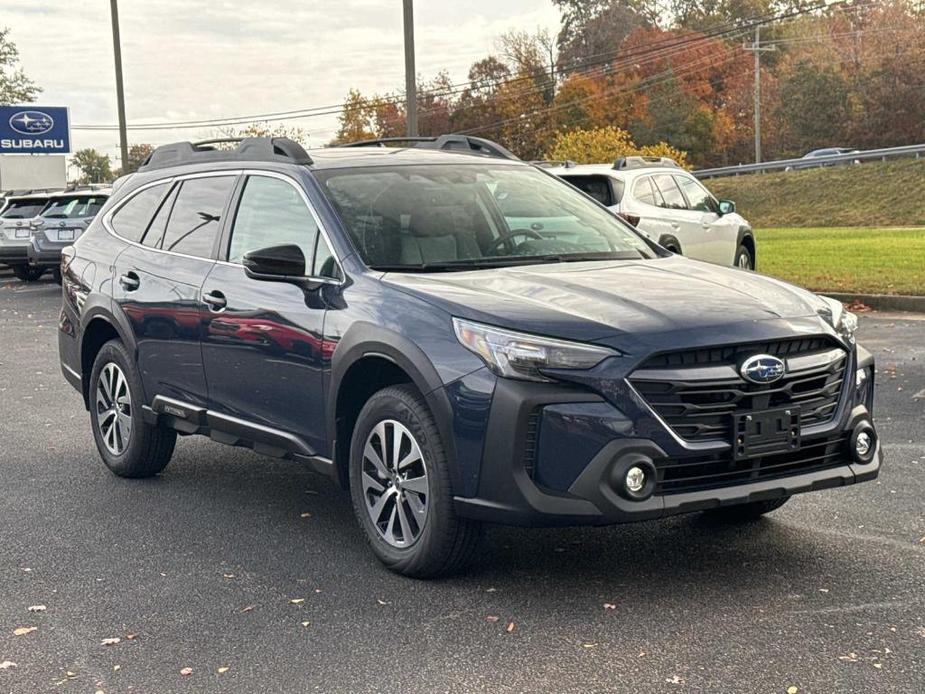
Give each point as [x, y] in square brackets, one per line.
[758, 49]
[411, 99]
[120, 92]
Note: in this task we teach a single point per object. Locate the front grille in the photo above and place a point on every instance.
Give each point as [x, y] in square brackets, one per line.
[699, 392]
[721, 470]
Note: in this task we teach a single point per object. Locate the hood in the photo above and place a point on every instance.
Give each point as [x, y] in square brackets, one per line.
[594, 300]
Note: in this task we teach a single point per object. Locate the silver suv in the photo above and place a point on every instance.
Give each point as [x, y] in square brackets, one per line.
[668, 205]
[61, 222]
[16, 232]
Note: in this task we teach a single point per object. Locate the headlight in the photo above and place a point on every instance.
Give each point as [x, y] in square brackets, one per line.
[518, 355]
[840, 318]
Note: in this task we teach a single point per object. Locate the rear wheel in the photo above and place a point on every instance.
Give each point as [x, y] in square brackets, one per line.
[400, 486]
[127, 444]
[744, 259]
[26, 273]
[743, 513]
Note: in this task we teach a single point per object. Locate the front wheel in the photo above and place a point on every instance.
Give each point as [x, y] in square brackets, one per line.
[744, 258]
[128, 445]
[400, 487]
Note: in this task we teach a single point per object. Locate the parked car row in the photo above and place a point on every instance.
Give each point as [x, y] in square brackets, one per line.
[35, 226]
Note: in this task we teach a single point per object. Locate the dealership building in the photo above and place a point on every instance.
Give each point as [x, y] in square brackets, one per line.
[34, 142]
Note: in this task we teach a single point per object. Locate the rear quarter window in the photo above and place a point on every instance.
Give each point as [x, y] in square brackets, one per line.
[131, 219]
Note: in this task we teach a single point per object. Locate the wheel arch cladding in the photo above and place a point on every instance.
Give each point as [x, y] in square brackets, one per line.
[97, 332]
[747, 239]
[368, 359]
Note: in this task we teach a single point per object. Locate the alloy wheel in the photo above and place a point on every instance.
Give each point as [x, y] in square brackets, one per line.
[394, 479]
[114, 409]
[745, 263]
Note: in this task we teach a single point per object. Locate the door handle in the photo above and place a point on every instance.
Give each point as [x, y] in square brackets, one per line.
[216, 300]
[129, 281]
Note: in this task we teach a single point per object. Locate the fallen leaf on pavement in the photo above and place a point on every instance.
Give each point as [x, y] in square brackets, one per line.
[116, 668]
[879, 666]
[609, 606]
[792, 690]
[589, 645]
[7, 664]
[110, 642]
[492, 618]
[22, 631]
[248, 608]
[130, 637]
[305, 624]
[222, 670]
[383, 602]
[305, 515]
[510, 628]
[227, 575]
[674, 679]
[297, 601]
[186, 672]
[37, 608]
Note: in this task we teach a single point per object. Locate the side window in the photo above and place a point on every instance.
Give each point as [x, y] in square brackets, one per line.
[671, 194]
[644, 192]
[131, 220]
[324, 265]
[698, 196]
[271, 213]
[196, 215]
[156, 229]
[598, 187]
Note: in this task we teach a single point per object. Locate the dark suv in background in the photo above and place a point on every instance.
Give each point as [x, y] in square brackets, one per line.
[377, 313]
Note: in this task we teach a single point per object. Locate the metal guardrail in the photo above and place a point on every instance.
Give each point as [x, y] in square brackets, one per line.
[784, 164]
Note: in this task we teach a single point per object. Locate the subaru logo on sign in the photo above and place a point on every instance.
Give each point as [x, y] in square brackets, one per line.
[31, 122]
[762, 368]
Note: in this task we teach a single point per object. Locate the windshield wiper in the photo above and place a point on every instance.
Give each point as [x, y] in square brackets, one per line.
[510, 261]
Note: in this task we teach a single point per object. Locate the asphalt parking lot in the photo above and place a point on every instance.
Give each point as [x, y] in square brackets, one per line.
[252, 572]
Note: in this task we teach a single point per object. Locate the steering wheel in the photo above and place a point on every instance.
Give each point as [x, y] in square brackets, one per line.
[506, 237]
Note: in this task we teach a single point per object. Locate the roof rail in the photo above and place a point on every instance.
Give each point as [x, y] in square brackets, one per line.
[552, 163]
[276, 149]
[639, 162]
[30, 191]
[455, 143]
[79, 187]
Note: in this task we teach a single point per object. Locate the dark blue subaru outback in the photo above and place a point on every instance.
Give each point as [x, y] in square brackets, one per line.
[454, 336]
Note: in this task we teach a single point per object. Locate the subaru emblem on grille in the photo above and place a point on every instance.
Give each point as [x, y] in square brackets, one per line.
[762, 368]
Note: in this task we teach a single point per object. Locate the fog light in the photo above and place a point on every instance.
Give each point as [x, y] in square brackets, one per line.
[635, 479]
[863, 444]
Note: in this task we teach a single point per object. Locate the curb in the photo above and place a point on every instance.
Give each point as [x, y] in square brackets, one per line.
[882, 302]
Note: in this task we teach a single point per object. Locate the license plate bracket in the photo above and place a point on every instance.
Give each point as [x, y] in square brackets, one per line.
[66, 235]
[766, 432]
[22, 233]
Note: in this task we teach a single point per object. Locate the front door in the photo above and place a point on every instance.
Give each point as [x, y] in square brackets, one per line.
[263, 341]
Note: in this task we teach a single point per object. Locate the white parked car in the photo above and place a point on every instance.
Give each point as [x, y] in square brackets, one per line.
[668, 205]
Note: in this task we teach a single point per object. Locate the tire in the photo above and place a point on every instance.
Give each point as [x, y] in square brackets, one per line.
[744, 513]
[744, 259]
[26, 273]
[670, 243]
[442, 542]
[135, 449]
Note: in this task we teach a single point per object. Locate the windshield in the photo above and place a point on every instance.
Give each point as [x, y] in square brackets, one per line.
[74, 207]
[24, 209]
[451, 216]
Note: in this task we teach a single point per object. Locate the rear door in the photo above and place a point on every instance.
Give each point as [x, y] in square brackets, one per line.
[158, 279]
[685, 224]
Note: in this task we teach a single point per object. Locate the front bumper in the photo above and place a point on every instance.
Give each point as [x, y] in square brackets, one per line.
[557, 455]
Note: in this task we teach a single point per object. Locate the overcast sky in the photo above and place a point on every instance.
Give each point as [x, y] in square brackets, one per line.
[197, 59]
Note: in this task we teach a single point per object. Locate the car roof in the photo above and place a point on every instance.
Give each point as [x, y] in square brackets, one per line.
[608, 170]
[345, 157]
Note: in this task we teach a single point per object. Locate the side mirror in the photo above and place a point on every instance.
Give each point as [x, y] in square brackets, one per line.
[726, 207]
[275, 263]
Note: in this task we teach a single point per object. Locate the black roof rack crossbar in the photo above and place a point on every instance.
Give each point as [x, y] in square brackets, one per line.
[276, 149]
[456, 143]
[640, 162]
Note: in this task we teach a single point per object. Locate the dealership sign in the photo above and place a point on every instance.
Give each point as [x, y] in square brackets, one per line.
[32, 129]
